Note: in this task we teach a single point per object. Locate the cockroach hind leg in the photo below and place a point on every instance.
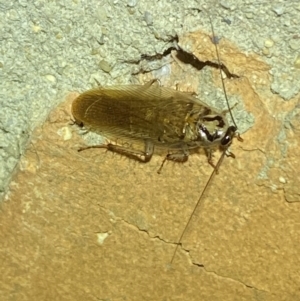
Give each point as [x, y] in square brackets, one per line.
[153, 82]
[93, 146]
[142, 156]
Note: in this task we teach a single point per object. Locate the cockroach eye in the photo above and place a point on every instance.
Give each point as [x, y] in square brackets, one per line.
[226, 140]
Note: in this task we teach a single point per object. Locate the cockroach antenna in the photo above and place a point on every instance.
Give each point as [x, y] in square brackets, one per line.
[224, 145]
[215, 42]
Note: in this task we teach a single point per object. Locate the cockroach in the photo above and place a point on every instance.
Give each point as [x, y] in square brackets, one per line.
[158, 118]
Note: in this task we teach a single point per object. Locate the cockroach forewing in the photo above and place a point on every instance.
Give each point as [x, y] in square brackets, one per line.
[135, 112]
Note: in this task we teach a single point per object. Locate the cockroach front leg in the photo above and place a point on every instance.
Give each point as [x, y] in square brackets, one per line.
[177, 157]
[209, 155]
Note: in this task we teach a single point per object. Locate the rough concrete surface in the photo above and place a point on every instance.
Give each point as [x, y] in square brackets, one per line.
[97, 226]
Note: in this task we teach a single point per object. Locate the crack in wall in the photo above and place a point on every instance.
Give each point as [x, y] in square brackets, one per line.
[225, 277]
[181, 55]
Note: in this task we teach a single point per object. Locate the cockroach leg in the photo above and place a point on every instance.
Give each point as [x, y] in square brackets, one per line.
[229, 154]
[177, 157]
[152, 82]
[142, 156]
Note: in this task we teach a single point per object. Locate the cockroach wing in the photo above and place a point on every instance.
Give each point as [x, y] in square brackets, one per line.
[147, 112]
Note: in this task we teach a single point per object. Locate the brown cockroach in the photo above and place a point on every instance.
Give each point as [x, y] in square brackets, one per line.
[159, 118]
